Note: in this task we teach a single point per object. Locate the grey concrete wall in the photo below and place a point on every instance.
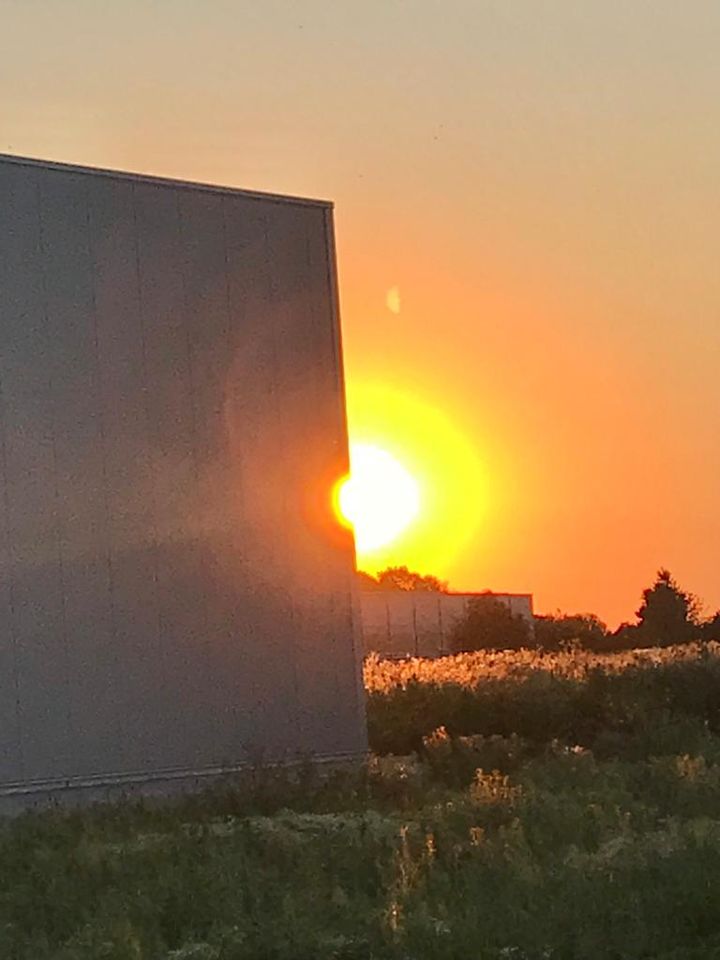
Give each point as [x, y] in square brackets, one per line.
[174, 593]
[402, 623]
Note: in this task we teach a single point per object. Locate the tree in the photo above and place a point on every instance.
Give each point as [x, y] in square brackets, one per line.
[366, 580]
[710, 629]
[489, 625]
[554, 631]
[628, 636]
[400, 578]
[668, 615]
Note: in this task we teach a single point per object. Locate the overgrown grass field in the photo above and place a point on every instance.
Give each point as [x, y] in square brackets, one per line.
[516, 806]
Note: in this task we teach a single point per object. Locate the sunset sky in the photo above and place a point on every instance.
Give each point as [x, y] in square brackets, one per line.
[528, 223]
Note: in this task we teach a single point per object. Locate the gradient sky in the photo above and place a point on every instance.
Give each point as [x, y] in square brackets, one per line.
[539, 180]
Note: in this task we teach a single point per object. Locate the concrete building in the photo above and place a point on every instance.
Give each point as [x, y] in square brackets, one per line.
[410, 623]
[175, 595]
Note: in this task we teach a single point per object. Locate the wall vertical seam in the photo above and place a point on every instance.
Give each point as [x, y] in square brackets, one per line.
[103, 438]
[277, 412]
[190, 360]
[56, 487]
[188, 338]
[148, 429]
[11, 578]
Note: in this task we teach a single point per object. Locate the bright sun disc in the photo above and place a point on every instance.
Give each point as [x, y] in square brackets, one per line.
[379, 498]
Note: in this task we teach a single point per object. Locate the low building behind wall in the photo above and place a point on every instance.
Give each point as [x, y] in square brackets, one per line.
[402, 623]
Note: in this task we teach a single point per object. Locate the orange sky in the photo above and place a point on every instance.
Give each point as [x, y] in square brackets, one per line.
[539, 182]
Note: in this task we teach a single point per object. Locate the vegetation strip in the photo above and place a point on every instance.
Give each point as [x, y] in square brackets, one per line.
[485, 844]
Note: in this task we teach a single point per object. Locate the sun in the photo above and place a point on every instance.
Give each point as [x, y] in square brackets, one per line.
[379, 499]
[421, 494]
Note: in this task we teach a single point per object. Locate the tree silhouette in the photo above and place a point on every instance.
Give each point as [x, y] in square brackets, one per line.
[489, 625]
[400, 578]
[668, 614]
[710, 629]
[554, 631]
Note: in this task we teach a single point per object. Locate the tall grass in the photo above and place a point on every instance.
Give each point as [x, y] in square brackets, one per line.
[470, 669]
[576, 697]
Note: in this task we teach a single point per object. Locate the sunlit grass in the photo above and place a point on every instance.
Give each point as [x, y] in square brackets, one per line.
[470, 669]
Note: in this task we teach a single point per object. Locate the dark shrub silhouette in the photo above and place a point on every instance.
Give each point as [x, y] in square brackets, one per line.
[489, 625]
[556, 631]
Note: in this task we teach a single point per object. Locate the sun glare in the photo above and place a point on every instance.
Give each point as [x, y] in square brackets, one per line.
[418, 491]
[379, 499]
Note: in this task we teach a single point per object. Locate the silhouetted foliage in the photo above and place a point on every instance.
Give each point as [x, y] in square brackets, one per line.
[710, 629]
[366, 581]
[555, 631]
[400, 578]
[668, 614]
[628, 636]
[489, 625]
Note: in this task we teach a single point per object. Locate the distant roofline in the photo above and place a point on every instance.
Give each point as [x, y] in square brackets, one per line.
[484, 593]
[445, 593]
[161, 181]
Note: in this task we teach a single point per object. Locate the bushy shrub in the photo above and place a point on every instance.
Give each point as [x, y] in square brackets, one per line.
[489, 625]
[558, 631]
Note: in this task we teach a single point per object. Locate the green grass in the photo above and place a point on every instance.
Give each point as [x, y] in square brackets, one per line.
[514, 844]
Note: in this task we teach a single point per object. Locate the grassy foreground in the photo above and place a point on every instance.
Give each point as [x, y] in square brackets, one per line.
[487, 843]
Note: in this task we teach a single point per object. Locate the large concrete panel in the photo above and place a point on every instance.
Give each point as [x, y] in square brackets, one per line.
[175, 596]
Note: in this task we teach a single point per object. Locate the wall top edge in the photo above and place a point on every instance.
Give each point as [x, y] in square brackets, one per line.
[151, 179]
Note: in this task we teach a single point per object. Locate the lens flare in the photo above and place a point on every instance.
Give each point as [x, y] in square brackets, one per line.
[379, 499]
